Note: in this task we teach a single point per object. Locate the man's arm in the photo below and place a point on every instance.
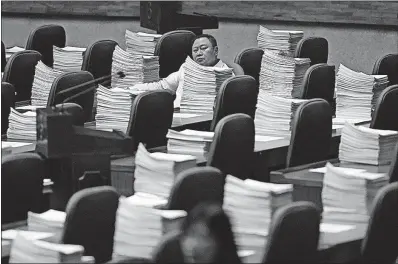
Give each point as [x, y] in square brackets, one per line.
[169, 83]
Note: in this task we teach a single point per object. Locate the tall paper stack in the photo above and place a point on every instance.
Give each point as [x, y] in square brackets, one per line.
[21, 126]
[49, 221]
[366, 145]
[68, 59]
[155, 172]
[141, 43]
[191, 142]
[279, 40]
[357, 93]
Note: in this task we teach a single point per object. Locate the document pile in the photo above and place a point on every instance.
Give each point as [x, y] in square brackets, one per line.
[12, 51]
[357, 92]
[114, 107]
[250, 205]
[42, 82]
[191, 142]
[68, 59]
[348, 194]
[50, 221]
[282, 75]
[141, 43]
[140, 226]
[200, 86]
[279, 40]
[21, 126]
[366, 145]
[137, 68]
[274, 114]
[155, 172]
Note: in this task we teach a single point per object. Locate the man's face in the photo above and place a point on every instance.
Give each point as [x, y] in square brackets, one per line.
[204, 53]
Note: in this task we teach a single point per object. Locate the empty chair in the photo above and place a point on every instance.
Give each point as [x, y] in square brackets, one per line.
[232, 148]
[168, 251]
[98, 58]
[3, 56]
[150, 118]
[83, 96]
[311, 133]
[22, 185]
[319, 82]
[385, 115]
[172, 49]
[194, 186]
[237, 94]
[20, 72]
[90, 221]
[250, 61]
[388, 65]
[293, 234]
[75, 110]
[43, 38]
[315, 48]
[393, 173]
[381, 240]
[7, 102]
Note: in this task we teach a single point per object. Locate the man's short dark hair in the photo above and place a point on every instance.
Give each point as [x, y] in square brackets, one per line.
[212, 40]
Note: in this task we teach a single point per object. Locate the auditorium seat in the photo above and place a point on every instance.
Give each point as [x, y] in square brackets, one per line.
[314, 48]
[393, 172]
[250, 61]
[7, 102]
[319, 82]
[3, 57]
[388, 65]
[385, 115]
[168, 251]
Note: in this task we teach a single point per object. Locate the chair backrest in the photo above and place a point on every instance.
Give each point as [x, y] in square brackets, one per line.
[232, 148]
[293, 234]
[7, 102]
[237, 94]
[385, 115]
[250, 61]
[381, 240]
[22, 185]
[172, 49]
[3, 56]
[311, 133]
[315, 48]
[98, 58]
[319, 82]
[43, 38]
[393, 173]
[150, 118]
[20, 72]
[68, 80]
[194, 186]
[90, 221]
[169, 251]
[75, 110]
[388, 65]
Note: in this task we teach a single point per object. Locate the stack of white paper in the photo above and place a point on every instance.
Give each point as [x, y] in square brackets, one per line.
[137, 68]
[200, 86]
[42, 82]
[49, 221]
[155, 172]
[282, 75]
[139, 226]
[274, 114]
[347, 195]
[141, 43]
[190, 142]
[250, 205]
[279, 40]
[357, 92]
[13, 50]
[114, 107]
[18, 147]
[21, 126]
[68, 59]
[366, 145]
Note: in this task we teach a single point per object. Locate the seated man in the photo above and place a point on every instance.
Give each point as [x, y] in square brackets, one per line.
[204, 52]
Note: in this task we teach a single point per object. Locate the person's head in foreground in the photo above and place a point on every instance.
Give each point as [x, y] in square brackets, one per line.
[207, 236]
[205, 50]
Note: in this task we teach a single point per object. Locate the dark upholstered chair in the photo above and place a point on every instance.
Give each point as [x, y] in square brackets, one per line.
[385, 115]
[293, 234]
[173, 48]
[381, 240]
[20, 72]
[311, 133]
[169, 251]
[150, 118]
[90, 221]
[388, 65]
[237, 94]
[75, 110]
[3, 57]
[22, 185]
[315, 48]
[7, 102]
[232, 148]
[68, 80]
[393, 173]
[319, 82]
[250, 61]
[98, 58]
[196, 185]
[43, 38]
